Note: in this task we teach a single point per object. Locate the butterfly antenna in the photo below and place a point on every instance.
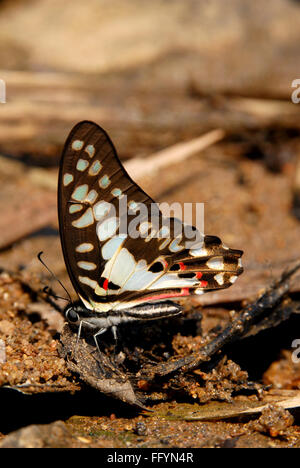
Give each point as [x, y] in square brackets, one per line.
[39, 256]
[47, 290]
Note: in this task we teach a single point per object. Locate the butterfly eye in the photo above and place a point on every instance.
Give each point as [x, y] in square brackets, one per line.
[72, 316]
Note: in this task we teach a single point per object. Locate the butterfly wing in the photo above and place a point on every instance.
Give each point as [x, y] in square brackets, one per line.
[100, 208]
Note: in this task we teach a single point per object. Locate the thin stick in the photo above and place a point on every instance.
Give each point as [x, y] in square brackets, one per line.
[139, 167]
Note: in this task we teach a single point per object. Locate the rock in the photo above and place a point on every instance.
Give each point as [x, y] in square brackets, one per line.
[273, 421]
[2, 352]
[54, 435]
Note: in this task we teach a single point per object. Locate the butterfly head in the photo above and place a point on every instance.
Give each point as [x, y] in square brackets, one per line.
[72, 316]
[74, 313]
[79, 316]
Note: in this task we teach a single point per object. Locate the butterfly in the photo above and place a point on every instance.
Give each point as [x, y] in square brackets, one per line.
[117, 276]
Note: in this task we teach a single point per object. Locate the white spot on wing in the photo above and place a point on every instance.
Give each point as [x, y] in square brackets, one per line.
[164, 244]
[77, 145]
[123, 267]
[90, 150]
[151, 235]
[85, 220]
[86, 280]
[116, 192]
[80, 192]
[104, 182]
[216, 263]
[144, 227]
[111, 246]
[87, 265]
[173, 281]
[140, 280]
[82, 164]
[174, 247]
[101, 209]
[74, 208]
[132, 206]
[107, 228]
[202, 252]
[164, 233]
[233, 279]
[219, 278]
[85, 247]
[95, 168]
[91, 196]
[100, 291]
[141, 265]
[68, 178]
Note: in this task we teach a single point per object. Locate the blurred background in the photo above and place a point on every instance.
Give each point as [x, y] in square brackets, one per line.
[154, 74]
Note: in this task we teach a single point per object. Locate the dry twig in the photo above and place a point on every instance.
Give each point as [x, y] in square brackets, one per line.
[264, 306]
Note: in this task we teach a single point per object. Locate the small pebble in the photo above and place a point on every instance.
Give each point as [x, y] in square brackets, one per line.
[140, 429]
[2, 352]
[6, 327]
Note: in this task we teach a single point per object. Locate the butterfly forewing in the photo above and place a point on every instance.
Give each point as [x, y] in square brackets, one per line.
[91, 179]
[110, 268]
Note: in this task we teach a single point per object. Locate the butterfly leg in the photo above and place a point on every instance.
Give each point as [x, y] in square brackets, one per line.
[115, 335]
[78, 336]
[99, 332]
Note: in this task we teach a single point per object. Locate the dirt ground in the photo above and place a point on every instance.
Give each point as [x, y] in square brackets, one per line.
[154, 75]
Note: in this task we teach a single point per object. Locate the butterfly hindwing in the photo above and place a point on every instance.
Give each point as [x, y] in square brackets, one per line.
[110, 269]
